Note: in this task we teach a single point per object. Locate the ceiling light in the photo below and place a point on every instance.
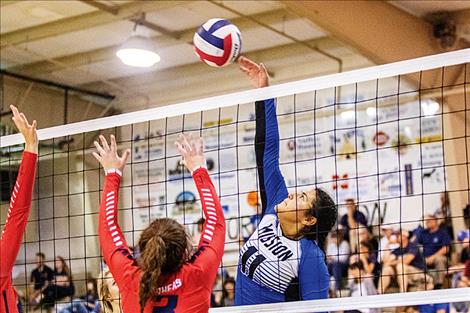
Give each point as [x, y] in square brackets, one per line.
[138, 51]
[348, 115]
[371, 111]
[429, 107]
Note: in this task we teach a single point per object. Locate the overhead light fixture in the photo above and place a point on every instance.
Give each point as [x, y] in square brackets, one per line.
[138, 50]
[348, 115]
[430, 107]
[371, 111]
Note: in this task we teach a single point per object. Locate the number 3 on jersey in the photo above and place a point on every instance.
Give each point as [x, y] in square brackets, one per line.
[170, 306]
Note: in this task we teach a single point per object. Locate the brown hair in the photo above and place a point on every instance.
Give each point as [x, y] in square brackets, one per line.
[325, 211]
[103, 292]
[164, 248]
[65, 268]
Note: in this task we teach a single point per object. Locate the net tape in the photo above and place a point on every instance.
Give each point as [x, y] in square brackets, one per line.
[327, 81]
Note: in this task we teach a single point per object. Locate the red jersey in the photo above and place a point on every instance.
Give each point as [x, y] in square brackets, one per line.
[188, 290]
[13, 231]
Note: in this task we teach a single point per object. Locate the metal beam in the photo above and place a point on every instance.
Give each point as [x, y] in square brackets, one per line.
[377, 29]
[103, 54]
[105, 96]
[84, 21]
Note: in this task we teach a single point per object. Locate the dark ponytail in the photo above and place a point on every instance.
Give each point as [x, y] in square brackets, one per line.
[164, 247]
[325, 211]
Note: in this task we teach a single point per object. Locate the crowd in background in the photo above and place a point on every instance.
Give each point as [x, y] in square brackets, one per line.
[363, 259]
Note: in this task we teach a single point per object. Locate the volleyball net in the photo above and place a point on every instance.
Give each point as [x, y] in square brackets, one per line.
[390, 141]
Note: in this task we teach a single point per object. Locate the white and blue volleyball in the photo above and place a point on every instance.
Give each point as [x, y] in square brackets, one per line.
[218, 42]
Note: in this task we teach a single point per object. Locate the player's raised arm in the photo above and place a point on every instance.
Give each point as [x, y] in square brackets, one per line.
[18, 211]
[113, 244]
[272, 185]
[211, 245]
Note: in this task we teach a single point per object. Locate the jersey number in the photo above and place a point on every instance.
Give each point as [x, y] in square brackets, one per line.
[170, 307]
[256, 262]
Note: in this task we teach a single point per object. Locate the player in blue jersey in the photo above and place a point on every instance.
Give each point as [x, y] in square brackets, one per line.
[284, 259]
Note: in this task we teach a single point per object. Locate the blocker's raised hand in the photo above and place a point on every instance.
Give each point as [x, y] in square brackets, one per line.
[256, 73]
[108, 155]
[192, 150]
[28, 131]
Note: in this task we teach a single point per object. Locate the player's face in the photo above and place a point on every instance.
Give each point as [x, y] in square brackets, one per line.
[294, 207]
[112, 287]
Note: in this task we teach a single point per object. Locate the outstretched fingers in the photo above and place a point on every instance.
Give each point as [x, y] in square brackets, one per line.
[97, 156]
[125, 156]
[104, 143]
[99, 148]
[247, 64]
[113, 144]
[180, 148]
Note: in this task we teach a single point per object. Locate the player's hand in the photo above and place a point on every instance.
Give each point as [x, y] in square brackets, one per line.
[192, 150]
[256, 73]
[108, 155]
[28, 131]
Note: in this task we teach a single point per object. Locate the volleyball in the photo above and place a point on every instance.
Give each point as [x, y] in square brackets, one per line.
[217, 42]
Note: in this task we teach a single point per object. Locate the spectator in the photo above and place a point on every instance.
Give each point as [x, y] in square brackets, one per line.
[464, 240]
[360, 285]
[108, 297]
[368, 259]
[228, 292]
[406, 263]
[435, 242]
[387, 243]
[91, 296]
[216, 295]
[366, 236]
[444, 212]
[41, 276]
[62, 285]
[337, 256]
[351, 222]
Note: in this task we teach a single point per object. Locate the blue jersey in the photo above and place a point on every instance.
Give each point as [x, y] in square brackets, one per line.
[434, 308]
[272, 267]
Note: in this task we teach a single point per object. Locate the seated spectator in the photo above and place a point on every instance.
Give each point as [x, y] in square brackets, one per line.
[41, 276]
[228, 292]
[368, 259]
[337, 256]
[216, 295]
[443, 211]
[435, 242]
[351, 222]
[62, 285]
[463, 238]
[366, 236]
[406, 264]
[91, 296]
[360, 284]
[109, 300]
[387, 243]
